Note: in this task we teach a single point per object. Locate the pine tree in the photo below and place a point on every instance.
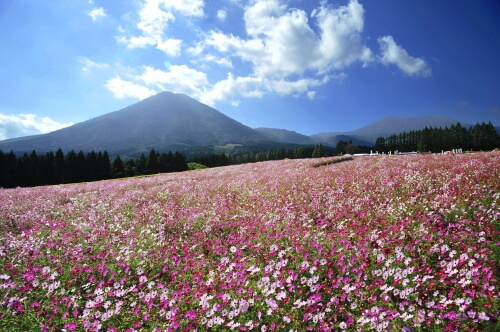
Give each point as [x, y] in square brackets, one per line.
[152, 166]
[59, 161]
[425, 142]
[179, 163]
[118, 168]
[491, 138]
[11, 170]
[319, 151]
[91, 167]
[3, 170]
[34, 161]
[140, 165]
[105, 166]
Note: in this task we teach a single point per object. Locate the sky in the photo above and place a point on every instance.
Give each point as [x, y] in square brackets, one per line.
[310, 66]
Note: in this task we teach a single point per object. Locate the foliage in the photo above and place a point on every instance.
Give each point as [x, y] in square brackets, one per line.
[195, 166]
[332, 161]
[401, 243]
[479, 137]
[38, 170]
[215, 160]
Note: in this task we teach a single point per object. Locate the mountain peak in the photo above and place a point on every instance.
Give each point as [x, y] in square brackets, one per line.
[165, 121]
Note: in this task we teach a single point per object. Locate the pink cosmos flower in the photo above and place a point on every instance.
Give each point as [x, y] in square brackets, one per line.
[71, 326]
[191, 314]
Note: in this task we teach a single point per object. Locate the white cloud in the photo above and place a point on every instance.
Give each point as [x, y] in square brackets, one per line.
[261, 16]
[282, 42]
[97, 13]
[27, 124]
[256, 87]
[252, 50]
[124, 89]
[185, 7]
[197, 49]
[231, 88]
[392, 53]
[154, 17]
[88, 65]
[171, 47]
[284, 87]
[221, 61]
[176, 79]
[285, 51]
[311, 95]
[221, 14]
[340, 38]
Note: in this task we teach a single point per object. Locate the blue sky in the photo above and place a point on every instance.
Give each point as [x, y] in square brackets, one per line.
[308, 66]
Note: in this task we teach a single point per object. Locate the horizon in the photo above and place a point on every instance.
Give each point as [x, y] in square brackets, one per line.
[317, 133]
[309, 67]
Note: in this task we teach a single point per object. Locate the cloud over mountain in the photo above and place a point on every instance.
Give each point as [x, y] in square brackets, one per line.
[153, 19]
[27, 124]
[281, 50]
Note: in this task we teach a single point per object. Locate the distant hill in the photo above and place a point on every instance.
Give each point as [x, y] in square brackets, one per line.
[166, 121]
[285, 136]
[176, 122]
[388, 126]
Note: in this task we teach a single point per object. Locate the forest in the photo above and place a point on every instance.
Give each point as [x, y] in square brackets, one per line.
[481, 137]
[31, 170]
[214, 160]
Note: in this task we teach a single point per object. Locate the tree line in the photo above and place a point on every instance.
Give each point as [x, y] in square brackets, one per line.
[30, 170]
[481, 137]
[215, 160]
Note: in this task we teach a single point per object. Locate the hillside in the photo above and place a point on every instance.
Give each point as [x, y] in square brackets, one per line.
[386, 127]
[285, 136]
[166, 121]
[176, 122]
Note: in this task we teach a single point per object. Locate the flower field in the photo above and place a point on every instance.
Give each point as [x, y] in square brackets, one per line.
[385, 243]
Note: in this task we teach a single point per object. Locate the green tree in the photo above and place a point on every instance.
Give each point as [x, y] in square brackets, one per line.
[118, 167]
[491, 138]
[299, 153]
[104, 166]
[152, 166]
[140, 165]
[425, 142]
[130, 167]
[70, 167]
[3, 169]
[47, 168]
[319, 151]
[179, 163]
[59, 166]
[81, 168]
[91, 167]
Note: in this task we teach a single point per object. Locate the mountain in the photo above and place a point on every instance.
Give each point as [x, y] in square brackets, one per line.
[166, 121]
[387, 127]
[333, 138]
[285, 136]
[176, 122]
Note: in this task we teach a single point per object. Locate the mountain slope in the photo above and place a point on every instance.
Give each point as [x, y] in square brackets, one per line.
[166, 121]
[285, 136]
[389, 126]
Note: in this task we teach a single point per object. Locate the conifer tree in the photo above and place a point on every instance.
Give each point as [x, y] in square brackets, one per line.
[152, 166]
[59, 160]
[118, 167]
